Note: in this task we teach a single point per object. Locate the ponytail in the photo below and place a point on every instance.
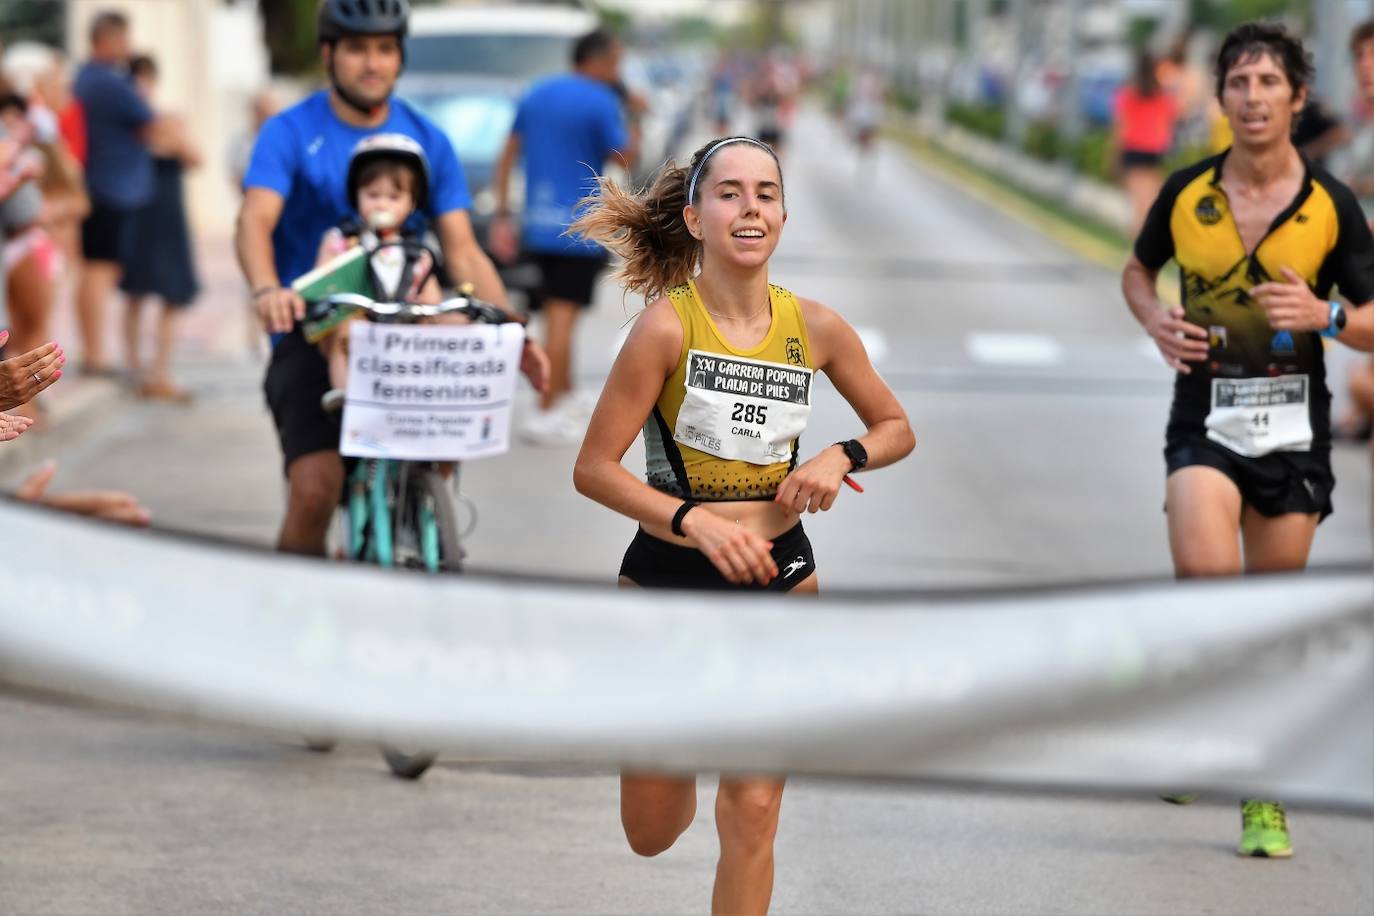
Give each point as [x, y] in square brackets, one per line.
[646, 229]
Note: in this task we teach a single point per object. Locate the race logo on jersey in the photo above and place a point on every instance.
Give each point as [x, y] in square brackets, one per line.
[1282, 344]
[1207, 211]
[1216, 337]
[795, 356]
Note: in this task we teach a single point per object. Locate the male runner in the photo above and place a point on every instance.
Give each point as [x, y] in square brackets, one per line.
[294, 191]
[1261, 236]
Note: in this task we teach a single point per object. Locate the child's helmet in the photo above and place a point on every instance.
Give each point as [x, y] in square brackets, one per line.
[395, 147]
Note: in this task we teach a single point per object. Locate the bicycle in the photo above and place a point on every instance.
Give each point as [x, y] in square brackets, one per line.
[402, 513]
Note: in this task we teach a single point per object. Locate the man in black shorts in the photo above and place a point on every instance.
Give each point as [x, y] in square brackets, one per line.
[567, 127]
[1261, 236]
[119, 174]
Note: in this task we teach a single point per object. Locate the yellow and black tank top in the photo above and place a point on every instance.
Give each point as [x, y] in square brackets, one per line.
[727, 422]
[1321, 234]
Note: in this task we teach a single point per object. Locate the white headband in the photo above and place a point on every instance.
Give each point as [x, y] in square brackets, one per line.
[696, 173]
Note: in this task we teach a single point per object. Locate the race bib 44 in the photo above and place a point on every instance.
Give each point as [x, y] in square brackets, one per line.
[1256, 416]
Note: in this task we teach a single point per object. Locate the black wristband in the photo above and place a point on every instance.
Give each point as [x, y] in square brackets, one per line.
[682, 510]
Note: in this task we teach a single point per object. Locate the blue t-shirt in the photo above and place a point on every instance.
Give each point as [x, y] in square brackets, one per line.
[302, 154]
[119, 168]
[568, 126]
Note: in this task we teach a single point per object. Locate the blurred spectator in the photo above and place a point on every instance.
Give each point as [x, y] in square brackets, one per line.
[31, 258]
[39, 75]
[1144, 117]
[159, 260]
[566, 128]
[865, 110]
[773, 93]
[119, 175]
[1318, 132]
[21, 204]
[725, 77]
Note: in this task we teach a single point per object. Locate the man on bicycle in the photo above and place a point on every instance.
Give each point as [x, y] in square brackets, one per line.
[294, 191]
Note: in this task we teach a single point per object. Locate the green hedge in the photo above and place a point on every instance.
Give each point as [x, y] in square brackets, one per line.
[984, 120]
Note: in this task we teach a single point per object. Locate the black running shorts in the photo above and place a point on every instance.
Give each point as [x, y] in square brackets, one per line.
[654, 563]
[297, 377]
[1274, 484]
[568, 277]
[104, 234]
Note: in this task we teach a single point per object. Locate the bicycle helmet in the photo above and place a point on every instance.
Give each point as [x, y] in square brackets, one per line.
[363, 17]
[397, 147]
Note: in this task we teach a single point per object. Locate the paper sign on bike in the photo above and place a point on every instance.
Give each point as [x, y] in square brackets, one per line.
[430, 392]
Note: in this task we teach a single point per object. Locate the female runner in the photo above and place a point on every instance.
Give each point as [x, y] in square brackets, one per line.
[717, 372]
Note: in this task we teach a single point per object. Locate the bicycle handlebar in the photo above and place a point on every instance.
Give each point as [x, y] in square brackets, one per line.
[403, 312]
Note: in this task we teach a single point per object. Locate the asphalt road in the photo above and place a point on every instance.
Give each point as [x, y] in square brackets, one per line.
[1039, 414]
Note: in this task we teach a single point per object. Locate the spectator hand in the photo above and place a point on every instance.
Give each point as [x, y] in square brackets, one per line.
[12, 427]
[110, 505]
[24, 376]
[279, 309]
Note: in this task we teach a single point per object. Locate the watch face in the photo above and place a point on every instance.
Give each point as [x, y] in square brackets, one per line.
[1340, 318]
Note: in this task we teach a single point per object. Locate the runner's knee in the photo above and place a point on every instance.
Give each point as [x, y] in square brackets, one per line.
[649, 839]
[747, 815]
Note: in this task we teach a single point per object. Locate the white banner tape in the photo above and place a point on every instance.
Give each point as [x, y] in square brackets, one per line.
[1259, 686]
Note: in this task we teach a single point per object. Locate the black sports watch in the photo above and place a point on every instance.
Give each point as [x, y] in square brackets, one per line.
[858, 455]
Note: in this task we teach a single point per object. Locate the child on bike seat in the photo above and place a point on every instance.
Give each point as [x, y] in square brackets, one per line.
[388, 179]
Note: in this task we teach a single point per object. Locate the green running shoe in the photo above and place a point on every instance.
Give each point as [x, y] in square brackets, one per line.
[1264, 830]
[1180, 798]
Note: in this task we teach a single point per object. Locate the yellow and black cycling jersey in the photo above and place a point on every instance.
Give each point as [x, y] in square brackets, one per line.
[727, 422]
[1322, 236]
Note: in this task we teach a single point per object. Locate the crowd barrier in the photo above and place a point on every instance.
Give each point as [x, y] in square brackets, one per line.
[1258, 686]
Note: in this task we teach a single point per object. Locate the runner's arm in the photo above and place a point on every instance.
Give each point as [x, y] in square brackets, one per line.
[1359, 327]
[278, 308]
[645, 361]
[840, 354]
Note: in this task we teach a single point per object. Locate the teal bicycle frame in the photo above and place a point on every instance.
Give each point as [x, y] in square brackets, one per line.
[372, 513]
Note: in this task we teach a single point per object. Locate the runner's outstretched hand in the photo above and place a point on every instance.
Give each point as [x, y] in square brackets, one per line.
[1291, 305]
[1179, 341]
[24, 376]
[814, 485]
[740, 554]
[110, 505]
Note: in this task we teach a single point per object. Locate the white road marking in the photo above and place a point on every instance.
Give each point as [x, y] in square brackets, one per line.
[1000, 348]
[874, 342]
